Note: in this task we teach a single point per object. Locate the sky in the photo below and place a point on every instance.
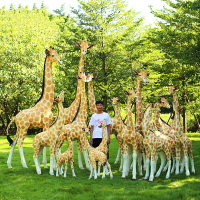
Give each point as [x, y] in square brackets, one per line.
[138, 5]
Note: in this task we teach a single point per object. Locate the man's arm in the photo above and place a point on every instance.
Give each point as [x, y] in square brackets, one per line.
[91, 132]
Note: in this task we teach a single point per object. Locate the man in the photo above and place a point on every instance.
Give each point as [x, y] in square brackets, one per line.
[95, 121]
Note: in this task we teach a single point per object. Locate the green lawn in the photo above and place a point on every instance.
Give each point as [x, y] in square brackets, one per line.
[21, 183]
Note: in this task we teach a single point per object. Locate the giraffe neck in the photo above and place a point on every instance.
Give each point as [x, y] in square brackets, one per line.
[104, 140]
[175, 98]
[82, 114]
[129, 121]
[157, 119]
[146, 121]
[91, 98]
[139, 110]
[57, 126]
[70, 146]
[81, 64]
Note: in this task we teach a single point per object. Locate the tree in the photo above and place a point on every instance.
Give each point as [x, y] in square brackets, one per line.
[177, 36]
[117, 33]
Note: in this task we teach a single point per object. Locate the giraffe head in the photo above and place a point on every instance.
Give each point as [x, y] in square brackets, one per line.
[83, 46]
[115, 100]
[172, 89]
[103, 124]
[60, 98]
[132, 94]
[162, 102]
[53, 55]
[90, 77]
[82, 76]
[142, 75]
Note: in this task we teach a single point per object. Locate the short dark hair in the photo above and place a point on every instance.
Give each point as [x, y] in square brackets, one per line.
[99, 102]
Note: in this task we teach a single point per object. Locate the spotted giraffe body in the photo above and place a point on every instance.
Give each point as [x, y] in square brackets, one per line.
[39, 116]
[154, 143]
[50, 138]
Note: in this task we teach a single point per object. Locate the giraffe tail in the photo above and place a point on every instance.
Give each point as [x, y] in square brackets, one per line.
[7, 134]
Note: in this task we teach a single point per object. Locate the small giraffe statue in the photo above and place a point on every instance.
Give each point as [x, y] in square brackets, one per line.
[49, 138]
[141, 77]
[154, 143]
[67, 156]
[39, 116]
[182, 141]
[80, 121]
[95, 155]
[103, 147]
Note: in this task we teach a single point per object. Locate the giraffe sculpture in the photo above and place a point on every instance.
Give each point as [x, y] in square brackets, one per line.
[50, 138]
[182, 141]
[154, 143]
[141, 77]
[121, 130]
[133, 138]
[80, 122]
[64, 158]
[95, 155]
[72, 110]
[39, 116]
[103, 147]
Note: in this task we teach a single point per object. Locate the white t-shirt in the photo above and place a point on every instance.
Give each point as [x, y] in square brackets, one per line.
[96, 121]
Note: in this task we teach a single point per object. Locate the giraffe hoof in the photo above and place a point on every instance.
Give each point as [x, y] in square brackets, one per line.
[150, 181]
[134, 179]
[123, 177]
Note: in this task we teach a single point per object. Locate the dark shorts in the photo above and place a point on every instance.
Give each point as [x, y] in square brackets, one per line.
[97, 142]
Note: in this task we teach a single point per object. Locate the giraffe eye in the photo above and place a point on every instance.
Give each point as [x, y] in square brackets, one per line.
[53, 56]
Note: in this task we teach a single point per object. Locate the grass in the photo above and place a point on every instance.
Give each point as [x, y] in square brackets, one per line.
[22, 183]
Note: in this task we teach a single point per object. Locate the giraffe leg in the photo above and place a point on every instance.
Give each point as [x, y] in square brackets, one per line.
[125, 165]
[110, 171]
[9, 161]
[44, 160]
[173, 164]
[134, 165]
[91, 171]
[147, 164]
[85, 153]
[191, 160]
[104, 171]
[99, 169]
[178, 156]
[118, 156]
[162, 157]
[169, 167]
[140, 163]
[151, 177]
[72, 168]
[80, 163]
[65, 171]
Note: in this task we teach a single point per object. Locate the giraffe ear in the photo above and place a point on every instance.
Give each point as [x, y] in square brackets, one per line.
[176, 88]
[83, 129]
[77, 44]
[126, 92]
[91, 46]
[47, 52]
[159, 100]
[135, 72]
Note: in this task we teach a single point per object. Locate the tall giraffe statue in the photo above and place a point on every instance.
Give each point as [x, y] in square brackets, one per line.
[132, 137]
[39, 116]
[141, 77]
[80, 122]
[71, 111]
[185, 144]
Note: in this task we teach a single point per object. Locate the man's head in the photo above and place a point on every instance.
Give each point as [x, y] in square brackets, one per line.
[99, 105]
